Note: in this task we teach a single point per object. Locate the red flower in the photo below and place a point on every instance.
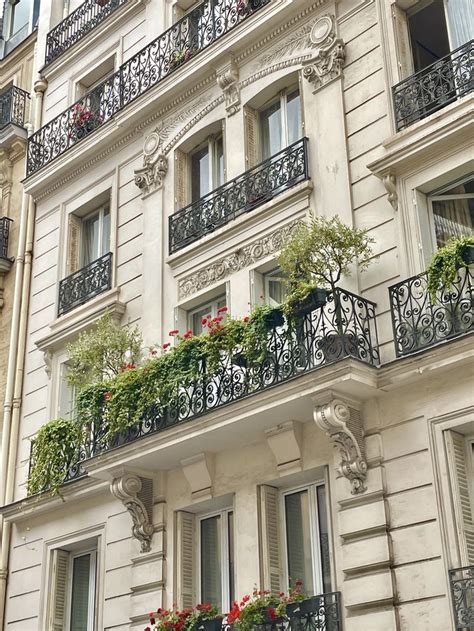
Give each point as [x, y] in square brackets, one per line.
[153, 352]
[246, 598]
[165, 346]
[107, 396]
[299, 582]
[222, 310]
[147, 629]
[131, 366]
[173, 332]
[204, 321]
[187, 335]
[246, 319]
[271, 613]
[152, 620]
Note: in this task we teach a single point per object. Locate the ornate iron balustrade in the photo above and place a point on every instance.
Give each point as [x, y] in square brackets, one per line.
[462, 592]
[434, 87]
[83, 285]
[240, 195]
[13, 106]
[76, 26]
[419, 322]
[5, 223]
[207, 23]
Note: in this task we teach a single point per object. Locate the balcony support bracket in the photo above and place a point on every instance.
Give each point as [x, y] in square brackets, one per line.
[228, 81]
[343, 425]
[136, 494]
[326, 64]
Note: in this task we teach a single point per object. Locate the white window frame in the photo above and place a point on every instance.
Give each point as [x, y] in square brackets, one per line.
[101, 212]
[61, 384]
[281, 97]
[314, 530]
[214, 306]
[437, 195]
[91, 604]
[272, 275]
[9, 10]
[213, 174]
[224, 541]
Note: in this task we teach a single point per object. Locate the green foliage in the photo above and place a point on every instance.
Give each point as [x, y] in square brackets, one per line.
[299, 292]
[445, 264]
[250, 612]
[53, 451]
[321, 252]
[102, 352]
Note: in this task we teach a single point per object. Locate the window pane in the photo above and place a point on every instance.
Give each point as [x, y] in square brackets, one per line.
[90, 246]
[294, 117]
[211, 561]
[106, 232]
[298, 540]
[453, 218]
[219, 163]
[200, 174]
[66, 394]
[196, 324]
[80, 593]
[324, 538]
[230, 543]
[270, 121]
[20, 15]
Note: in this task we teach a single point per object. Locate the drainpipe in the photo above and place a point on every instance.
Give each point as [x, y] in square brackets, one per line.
[16, 358]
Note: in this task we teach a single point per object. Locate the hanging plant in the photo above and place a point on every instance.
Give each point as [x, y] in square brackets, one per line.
[444, 266]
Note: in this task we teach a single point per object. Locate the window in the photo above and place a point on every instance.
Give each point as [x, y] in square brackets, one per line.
[196, 316]
[207, 168]
[452, 211]
[19, 16]
[73, 589]
[276, 289]
[216, 559]
[88, 238]
[280, 123]
[66, 394]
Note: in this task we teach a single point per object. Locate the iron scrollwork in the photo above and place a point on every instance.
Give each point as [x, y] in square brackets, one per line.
[81, 286]
[462, 593]
[13, 104]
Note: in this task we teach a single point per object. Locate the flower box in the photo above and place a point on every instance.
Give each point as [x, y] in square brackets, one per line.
[316, 299]
[274, 318]
[468, 254]
[102, 3]
[239, 359]
[215, 624]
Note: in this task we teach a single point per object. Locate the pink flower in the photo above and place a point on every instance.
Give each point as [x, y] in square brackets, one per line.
[222, 310]
[173, 332]
[188, 334]
[167, 345]
[246, 319]
[204, 321]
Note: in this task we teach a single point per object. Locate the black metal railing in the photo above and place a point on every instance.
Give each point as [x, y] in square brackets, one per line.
[205, 24]
[240, 195]
[81, 286]
[462, 592]
[77, 24]
[13, 104]
[419, 321]
[344, 327]
[5, 223]
[434, 87]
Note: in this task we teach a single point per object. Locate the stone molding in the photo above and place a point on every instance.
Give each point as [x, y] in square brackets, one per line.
[327, 63]
[150, 177]
[343, 425]
[228, 81]
[198, 471]
[127, 489]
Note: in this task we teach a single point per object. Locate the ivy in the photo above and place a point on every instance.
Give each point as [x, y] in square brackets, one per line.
[445, 264]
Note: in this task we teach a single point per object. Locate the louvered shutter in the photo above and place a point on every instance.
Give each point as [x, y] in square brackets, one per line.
[73, 244]
[185, 524]
[402, 39]
[59, 576]
[180, 178]
[464, 512]
[251, 137]
[269, 538]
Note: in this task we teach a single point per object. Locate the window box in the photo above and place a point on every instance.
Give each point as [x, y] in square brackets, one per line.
[274, 319]
[468, 255]
[316, 299]
[211, 625]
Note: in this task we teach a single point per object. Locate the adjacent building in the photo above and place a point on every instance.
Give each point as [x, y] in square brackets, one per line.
[175, 148]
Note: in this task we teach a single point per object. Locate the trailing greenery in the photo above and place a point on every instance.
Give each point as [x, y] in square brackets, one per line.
[445, 264]
[53, 452]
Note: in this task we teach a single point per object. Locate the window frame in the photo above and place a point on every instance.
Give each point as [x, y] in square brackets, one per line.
[437, 195]
[282, 98]
[9, 18]
[213, 175]
[100, 211]
[267, 278]
[224, 552]
[91, 603]
[214, 306]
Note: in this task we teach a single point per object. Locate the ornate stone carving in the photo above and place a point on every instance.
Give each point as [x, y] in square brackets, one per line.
[327, 62]
[390, 183]
[155, 165]
[48, 362]
[236, 261]
[228, 81]
[344, 426]
[129, 490]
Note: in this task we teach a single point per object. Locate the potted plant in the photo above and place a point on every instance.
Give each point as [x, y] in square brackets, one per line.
[447, 261]
[82, 122]
[314, 260]
[208, 618]
[255, 610]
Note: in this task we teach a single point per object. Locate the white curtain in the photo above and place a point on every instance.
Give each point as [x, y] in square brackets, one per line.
[460, 15]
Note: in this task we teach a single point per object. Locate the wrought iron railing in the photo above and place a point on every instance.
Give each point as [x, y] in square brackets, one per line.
[419, 321]
[205, 24]
[77, 24]
[462, 592]
[240, 195]
[5, 223]
[81, 286]
[344, 327]
[434, 87]
[13, 104]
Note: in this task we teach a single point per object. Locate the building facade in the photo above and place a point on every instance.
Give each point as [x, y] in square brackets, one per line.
[176, 147]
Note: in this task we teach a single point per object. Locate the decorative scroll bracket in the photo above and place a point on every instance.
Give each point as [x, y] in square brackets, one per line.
[228, 81]
[344, 426]
[390, 183]
[328, 61]
[136, 494]
[150, 177]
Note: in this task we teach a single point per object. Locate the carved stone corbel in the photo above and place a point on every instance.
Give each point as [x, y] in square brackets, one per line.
[130, 490]
[151, 176]
[328, 61]
[390, 183]
[228, 81]
[48, 362]
[344, 426]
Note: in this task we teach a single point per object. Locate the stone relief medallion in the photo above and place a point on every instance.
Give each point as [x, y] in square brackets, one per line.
[151, 144]
[321, 30]
[327, 61]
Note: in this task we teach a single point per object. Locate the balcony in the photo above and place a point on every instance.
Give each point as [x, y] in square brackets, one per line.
[207, 23]
[420, 322]
[83, 285]
[462, 592]
[13, 103]
[436, 86]
[77, 25]
[241, 195]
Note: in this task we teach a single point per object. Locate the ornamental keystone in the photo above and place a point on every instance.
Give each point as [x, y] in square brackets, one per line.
[328, 61]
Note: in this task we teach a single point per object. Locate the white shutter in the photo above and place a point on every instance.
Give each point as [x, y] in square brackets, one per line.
[269, 538]
[456, 446]
[73, 244]
[185, 523]
[402, 41]
[59, 578]
[180, 178]
[251, 137]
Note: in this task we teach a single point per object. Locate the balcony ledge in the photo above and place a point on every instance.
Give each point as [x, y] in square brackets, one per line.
[12, 134]
[451, 127]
